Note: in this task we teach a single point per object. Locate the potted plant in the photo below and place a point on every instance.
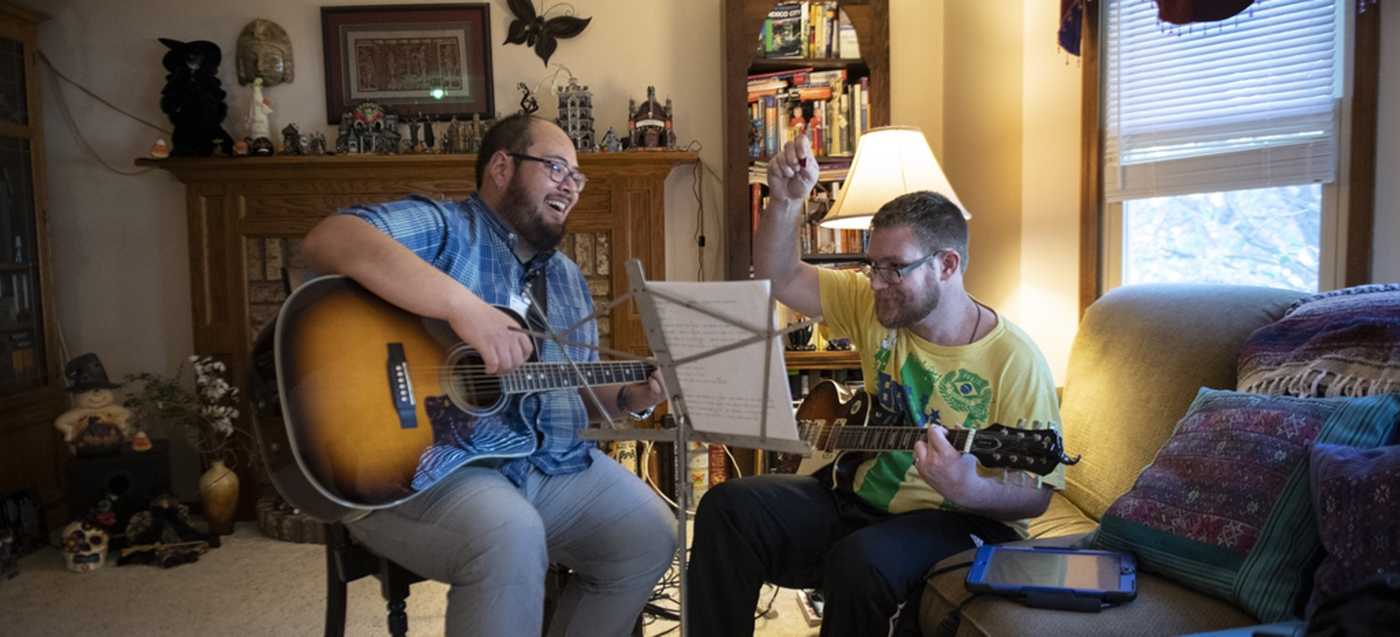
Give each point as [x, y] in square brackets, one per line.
[205, 409]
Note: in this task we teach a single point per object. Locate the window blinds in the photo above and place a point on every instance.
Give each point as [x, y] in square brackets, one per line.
[1250, 102]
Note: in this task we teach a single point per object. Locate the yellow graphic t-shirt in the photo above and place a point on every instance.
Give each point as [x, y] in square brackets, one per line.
[1001, 378]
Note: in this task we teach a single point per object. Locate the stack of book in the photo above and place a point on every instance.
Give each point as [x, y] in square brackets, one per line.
[812, 29]
[821, 105]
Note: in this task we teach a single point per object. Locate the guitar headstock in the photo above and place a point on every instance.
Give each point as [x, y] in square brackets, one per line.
[1037, 448]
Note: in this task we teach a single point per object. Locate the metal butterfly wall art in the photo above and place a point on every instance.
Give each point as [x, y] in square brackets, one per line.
[534, 30]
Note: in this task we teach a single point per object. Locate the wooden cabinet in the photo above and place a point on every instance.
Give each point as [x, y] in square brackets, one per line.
[31, 385]
[247, 216]
[743, 22]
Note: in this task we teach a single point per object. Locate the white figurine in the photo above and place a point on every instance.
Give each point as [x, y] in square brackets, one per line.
[258, 110]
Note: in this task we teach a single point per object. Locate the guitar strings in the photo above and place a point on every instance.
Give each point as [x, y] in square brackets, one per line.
[473, 376]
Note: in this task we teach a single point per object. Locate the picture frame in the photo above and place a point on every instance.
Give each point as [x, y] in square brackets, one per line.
[401, 56]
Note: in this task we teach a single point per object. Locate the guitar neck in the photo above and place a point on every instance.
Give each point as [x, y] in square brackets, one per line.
[874, 438]
[532, 377]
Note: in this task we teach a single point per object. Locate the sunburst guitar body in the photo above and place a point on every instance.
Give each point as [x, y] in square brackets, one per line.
[363, 389]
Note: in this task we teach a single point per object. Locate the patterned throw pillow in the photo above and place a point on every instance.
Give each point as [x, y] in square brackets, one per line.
[1224, 506]
[1356, 499]
[1339, 343]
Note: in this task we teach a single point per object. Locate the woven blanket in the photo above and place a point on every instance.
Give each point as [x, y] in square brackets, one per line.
[1339, 343]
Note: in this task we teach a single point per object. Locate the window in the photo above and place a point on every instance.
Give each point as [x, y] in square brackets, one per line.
[1221, 144]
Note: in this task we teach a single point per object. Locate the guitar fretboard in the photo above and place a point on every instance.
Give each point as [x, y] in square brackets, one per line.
[532, 377]
[842, 438]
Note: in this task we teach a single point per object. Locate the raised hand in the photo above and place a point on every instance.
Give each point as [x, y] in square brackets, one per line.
[792, 172]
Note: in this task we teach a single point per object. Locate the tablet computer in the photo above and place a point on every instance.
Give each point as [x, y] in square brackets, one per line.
[1054, 577]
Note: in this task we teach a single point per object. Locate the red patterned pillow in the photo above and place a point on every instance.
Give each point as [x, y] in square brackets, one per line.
[1356, 498]
[1224, 507]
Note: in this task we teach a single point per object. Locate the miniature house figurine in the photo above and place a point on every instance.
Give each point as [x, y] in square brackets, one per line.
[649, 126]
[576, 115]
[291, 141]
[610, 142]
[368, 129]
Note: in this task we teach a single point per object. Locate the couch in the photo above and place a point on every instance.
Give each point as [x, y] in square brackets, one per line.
[1141, 355]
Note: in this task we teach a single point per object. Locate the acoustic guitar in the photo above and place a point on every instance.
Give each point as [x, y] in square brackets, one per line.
[844, 426]
[350, 391]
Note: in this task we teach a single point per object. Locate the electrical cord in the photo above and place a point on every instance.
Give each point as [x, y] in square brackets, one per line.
[73, 122]
[697, 187]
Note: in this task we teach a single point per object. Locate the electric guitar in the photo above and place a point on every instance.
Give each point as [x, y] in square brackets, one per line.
[350, 391]
[836, 421]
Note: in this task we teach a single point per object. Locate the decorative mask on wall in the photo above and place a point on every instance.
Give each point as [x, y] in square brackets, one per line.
[84, 547]
[264, 51]
[535, 30]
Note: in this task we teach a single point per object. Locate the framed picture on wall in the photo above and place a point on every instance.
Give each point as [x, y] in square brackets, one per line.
[431, 59]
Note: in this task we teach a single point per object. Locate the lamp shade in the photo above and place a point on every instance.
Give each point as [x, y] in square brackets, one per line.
[890, 161]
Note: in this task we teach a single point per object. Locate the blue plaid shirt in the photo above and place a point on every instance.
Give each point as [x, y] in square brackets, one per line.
[466, 240]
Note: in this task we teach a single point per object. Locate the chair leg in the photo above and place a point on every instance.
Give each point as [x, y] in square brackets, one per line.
[335, 596]
[394, 584]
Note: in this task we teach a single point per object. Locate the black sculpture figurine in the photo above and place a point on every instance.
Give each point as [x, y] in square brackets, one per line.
[194, 99]
[528, 103]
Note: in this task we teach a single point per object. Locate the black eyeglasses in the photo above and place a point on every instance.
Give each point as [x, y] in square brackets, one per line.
[558, 170]
[893, 274]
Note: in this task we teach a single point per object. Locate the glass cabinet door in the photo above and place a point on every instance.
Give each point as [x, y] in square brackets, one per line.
[22, 363]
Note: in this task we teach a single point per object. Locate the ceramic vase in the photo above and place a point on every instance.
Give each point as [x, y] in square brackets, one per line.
[218, 491]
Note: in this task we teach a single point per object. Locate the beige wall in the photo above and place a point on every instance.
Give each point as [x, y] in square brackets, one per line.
[1046, 303]
[916, 68]
[118, 242]
[1385, 250]
[982, 105]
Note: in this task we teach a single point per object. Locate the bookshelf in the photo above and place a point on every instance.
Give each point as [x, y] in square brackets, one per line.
[743, 27]
[744, 176]
[32, 454]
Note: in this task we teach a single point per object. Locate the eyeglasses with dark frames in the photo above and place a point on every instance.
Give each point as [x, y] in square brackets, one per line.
[894, 274]
[558, 170]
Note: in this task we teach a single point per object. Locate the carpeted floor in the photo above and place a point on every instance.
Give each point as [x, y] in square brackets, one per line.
[252, 585]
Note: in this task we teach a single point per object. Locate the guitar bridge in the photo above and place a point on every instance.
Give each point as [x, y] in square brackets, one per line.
[401, 387]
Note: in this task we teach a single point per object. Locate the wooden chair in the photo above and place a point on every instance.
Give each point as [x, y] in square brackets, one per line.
[347, 561]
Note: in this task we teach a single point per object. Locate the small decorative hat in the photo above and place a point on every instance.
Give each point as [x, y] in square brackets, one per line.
[86, 373]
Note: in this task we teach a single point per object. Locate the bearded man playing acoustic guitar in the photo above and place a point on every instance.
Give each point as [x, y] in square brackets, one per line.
[492, 531]
[930, 352]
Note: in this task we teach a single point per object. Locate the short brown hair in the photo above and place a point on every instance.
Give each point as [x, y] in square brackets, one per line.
[937, 223]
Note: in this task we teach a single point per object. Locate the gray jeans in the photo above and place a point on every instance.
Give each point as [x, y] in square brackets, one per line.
[493, 542]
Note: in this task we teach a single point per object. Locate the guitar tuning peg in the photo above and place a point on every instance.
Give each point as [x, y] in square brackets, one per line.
[1020, 423]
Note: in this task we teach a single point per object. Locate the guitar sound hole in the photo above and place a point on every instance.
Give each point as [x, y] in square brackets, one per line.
[469, 386]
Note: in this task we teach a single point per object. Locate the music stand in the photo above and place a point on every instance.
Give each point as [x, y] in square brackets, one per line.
[652, 323]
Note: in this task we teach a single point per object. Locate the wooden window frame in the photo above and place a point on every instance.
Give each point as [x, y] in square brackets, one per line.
[1356, 210]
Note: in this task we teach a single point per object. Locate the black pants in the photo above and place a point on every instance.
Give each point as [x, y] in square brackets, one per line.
[795, 532]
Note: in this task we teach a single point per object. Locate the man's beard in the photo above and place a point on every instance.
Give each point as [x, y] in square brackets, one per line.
[528, 219]
[895, 309]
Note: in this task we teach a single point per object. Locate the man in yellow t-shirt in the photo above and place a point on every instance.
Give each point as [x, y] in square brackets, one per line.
[929, 352]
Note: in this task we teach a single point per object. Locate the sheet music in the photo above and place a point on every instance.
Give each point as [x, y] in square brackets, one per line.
[724, 393]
